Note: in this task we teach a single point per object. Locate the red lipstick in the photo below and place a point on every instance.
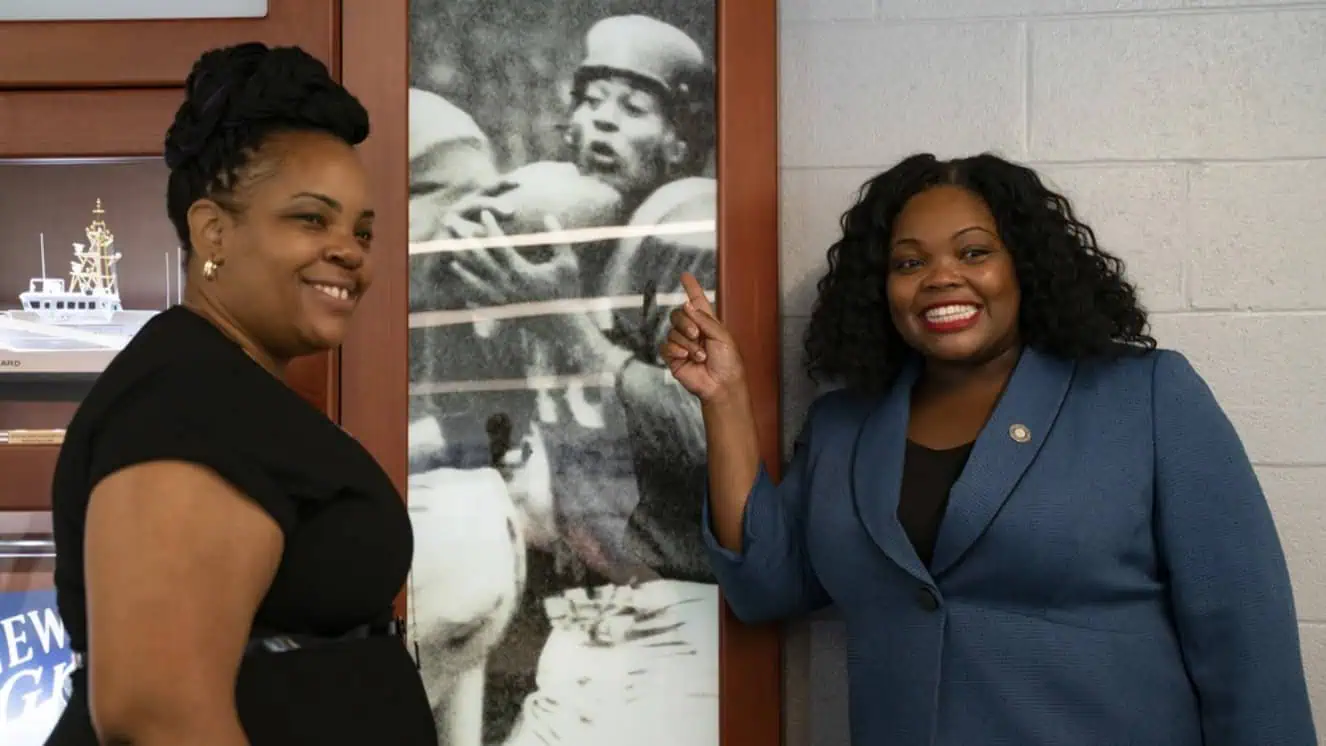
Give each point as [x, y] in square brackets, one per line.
[949, 318]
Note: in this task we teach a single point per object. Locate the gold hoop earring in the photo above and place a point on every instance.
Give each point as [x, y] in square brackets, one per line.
[210, 267]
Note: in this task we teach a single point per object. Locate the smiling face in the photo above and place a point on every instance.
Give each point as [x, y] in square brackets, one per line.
[952, 289]
[295, 244]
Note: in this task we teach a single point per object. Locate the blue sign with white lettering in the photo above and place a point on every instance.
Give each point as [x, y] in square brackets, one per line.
[35, 661]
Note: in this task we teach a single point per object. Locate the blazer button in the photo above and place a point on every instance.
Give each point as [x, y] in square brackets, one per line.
[927, 599]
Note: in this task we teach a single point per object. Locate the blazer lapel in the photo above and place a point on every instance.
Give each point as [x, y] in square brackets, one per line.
[877, 472]
[1004, 449]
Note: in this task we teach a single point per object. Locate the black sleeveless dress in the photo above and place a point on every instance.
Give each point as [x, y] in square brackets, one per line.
[182, 390]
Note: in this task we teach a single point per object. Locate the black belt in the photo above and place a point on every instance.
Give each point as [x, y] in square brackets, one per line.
[288, 642]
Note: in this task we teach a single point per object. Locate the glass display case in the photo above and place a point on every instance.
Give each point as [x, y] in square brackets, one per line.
[35, 658]
[87, 256]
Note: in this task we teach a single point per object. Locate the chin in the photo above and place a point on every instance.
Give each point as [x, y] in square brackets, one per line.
[325, 335]
[954, 349]
[954, 358]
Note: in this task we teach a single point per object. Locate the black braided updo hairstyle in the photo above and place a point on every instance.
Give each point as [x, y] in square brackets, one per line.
[1076, 303]
[236, 97]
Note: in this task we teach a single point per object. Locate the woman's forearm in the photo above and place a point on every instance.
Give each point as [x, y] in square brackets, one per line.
[196, 729]
[173, 737]
[734, 463]
[125, 712]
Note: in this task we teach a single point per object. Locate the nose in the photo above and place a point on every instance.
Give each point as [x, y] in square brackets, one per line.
[943, 275]
[346, 253]
[605, 118]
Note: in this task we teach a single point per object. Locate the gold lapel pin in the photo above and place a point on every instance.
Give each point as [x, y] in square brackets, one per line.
[1019, 433]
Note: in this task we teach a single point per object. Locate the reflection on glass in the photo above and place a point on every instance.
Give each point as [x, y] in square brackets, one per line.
[35, 658]
[86, 257]
[561, 180]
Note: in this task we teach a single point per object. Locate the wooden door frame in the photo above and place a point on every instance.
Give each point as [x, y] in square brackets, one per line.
[374, 365]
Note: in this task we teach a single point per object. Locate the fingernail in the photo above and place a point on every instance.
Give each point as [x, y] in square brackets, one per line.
[699, 355]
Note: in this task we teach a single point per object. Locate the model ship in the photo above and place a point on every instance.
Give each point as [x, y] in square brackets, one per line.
[93, 296]
[73, 327]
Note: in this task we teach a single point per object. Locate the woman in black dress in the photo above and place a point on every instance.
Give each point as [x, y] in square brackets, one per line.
[227, 556]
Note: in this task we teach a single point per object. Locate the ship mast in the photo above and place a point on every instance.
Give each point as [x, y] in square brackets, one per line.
[94, 272]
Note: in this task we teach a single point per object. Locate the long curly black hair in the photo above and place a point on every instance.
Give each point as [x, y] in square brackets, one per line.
[235, 98]
[1076, 303]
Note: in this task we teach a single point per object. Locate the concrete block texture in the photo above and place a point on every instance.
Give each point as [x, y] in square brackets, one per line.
[825, 10]
[1225, 86]
[1249, 4]
[1258, 235]
[969, 9]
[1131, 209]
[1264, 369]
[1300, 518]
[812, 203]
[1313, 636]
[868, 94]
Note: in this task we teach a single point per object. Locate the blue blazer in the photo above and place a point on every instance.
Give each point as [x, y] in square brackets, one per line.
[1107, 572]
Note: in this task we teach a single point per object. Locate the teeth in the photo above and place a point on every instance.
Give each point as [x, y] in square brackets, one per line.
[333, 291]
[959, 312]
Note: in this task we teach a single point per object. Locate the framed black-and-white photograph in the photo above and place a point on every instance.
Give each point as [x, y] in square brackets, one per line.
[561, 181]
[567, 162]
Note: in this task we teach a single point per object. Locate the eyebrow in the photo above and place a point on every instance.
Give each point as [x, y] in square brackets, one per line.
[328, 201]
[969, 229]
[956, 234]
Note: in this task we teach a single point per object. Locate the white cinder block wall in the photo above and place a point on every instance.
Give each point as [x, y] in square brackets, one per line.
[1190, 133]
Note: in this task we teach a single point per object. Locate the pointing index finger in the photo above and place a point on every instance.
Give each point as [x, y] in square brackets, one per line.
[695, 293]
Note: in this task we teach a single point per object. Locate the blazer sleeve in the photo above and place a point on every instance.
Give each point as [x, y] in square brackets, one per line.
[1229, 584]
[771, 578]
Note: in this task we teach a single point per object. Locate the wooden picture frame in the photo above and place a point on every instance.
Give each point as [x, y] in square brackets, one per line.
[374, 359]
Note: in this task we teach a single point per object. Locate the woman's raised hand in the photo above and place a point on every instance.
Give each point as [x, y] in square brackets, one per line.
[699, 350]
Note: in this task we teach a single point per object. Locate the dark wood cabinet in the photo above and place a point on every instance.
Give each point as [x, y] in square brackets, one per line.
[151, 54]
[60, 152]
[85, 124]
[84, 109]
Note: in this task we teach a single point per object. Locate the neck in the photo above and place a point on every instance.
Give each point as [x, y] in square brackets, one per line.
[943, 376]
[203, 306]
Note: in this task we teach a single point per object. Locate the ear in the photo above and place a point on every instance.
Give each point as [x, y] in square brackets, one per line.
[674, 151]
[207, 227]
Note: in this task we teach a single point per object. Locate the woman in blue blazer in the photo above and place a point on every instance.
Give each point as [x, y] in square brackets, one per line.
[1039, 529]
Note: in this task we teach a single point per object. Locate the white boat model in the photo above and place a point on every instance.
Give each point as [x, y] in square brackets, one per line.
[76, 327]
[93, 295]
[47, 298]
